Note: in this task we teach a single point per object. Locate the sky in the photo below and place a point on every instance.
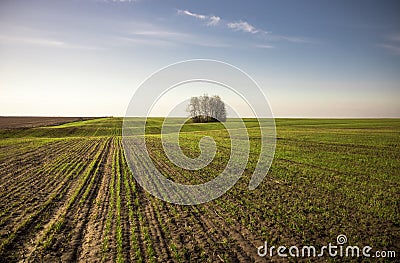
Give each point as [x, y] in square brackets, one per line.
[310, 58]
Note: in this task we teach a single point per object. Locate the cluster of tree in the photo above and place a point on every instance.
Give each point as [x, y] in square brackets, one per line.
[207, 109]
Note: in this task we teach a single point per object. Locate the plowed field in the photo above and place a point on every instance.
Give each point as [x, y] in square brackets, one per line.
[67, 194]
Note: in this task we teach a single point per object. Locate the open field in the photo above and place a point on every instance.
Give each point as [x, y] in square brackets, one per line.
[30, 122]
[67, 194]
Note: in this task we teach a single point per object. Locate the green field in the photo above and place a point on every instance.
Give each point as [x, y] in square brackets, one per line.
[66, 193]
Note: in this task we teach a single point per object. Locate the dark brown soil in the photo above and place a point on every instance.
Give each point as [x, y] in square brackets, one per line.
[30, 122]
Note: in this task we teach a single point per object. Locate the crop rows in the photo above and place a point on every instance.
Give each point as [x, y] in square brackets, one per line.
[74, 198]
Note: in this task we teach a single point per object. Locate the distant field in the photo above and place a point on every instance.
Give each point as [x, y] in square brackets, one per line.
[29, 122]
[66, 193]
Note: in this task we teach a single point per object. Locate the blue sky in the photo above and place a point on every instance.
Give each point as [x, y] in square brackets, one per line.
[311, 58]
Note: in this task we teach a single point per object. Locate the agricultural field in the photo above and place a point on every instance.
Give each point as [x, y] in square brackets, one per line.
[30, 122]
[67, 194]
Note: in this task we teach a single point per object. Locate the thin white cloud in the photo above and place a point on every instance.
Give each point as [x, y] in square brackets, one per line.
[158, 36]
[43, 42]
[213, 21]
[159, 33]
[263, 46]
[137, 41]
[242, 26]
[392, 43]
[210, 20]
[31, 40]
[293, 39]
[188, 13]
[394, 37]
[393, 49]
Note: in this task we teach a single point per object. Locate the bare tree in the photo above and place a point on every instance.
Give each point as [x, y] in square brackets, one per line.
[219, 109]
[207, 109]
[194, 106]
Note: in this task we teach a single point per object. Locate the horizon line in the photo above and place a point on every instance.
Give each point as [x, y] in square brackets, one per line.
[245, 117]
